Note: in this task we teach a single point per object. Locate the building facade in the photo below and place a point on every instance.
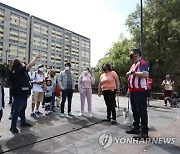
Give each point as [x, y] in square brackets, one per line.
[14, 34]
[23, 36]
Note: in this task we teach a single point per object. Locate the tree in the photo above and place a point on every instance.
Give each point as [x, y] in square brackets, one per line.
[161, 41]
[161, 35]
[118, 57]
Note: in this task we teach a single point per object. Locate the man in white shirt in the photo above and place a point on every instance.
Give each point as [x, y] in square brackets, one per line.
[37, 89]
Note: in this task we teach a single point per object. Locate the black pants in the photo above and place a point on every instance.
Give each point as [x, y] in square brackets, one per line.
[10, 96]
[43, 102]
[1, 114]
[139, 109]
[109, 97]
[68, 93]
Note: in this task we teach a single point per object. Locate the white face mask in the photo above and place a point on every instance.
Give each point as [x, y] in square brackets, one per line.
[66, 68]
[41, 69]
[85, 72]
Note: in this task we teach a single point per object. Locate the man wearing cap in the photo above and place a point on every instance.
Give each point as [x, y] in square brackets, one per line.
[67, 84]
[37, 89]
[137, 88]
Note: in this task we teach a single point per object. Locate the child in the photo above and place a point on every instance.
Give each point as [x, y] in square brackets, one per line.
[48, 96]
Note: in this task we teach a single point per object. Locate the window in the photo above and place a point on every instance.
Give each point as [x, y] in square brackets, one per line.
[23, 22]
[57, 34]
[14, 19]
[1, 15]
[37, 26]
[13, 51]
[22, 35]
[1, 32]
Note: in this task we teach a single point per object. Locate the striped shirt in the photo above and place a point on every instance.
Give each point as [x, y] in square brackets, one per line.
[136, 83]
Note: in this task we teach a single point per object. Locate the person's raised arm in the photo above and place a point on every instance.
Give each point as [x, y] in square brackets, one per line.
[32, 63]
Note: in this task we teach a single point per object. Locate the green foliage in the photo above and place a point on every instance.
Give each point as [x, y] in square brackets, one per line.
[118, 57]
[161, 20]
[161, 34]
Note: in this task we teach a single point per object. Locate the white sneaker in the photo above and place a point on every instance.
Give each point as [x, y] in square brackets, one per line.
[90, 115]
[80, 114]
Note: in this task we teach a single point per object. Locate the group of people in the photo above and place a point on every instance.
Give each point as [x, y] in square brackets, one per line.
[44, 88]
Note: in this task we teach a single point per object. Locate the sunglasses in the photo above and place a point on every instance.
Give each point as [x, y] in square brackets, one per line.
[132, 55]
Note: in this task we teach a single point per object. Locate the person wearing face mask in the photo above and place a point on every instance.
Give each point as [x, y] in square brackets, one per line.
[67, 84]
[37, 89]
[137, 89]
[109, 85]
[84, 85]
[53, 79]
[21, 89]
[46, 74]
[48, 95]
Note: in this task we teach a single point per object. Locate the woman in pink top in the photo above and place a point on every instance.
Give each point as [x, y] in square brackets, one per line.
[109, 85]
[84, 85]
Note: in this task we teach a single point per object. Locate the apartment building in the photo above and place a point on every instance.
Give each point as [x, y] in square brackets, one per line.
[14, 34]
[23, 36]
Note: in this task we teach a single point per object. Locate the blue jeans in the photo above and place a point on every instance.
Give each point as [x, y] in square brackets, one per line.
[139, 109]
[19, 106]
[53, 100]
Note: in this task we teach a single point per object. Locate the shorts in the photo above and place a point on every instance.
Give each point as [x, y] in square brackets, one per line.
[37, 97]
[148, 93]
[168, 93]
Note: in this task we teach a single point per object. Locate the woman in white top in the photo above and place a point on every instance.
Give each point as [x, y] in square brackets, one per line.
[168, 86]
[84, 85]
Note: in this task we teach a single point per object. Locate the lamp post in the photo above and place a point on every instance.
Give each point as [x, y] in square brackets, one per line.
[54, 61]
[17, 53]
[141, 33]
[6, 56]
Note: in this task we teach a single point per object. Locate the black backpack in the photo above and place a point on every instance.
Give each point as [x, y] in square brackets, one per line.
[21, 85]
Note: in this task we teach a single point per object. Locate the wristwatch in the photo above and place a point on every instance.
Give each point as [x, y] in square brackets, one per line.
[132, 72]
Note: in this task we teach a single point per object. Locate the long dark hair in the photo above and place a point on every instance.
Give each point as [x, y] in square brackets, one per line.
[16, 63]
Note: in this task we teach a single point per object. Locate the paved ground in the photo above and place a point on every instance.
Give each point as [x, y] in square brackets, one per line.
[80, 135]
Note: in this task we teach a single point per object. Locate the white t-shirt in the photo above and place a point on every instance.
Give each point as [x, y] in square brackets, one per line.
[168, 84]
[37, 78]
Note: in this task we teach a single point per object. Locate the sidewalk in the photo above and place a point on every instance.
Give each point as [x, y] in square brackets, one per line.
[81, 134]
